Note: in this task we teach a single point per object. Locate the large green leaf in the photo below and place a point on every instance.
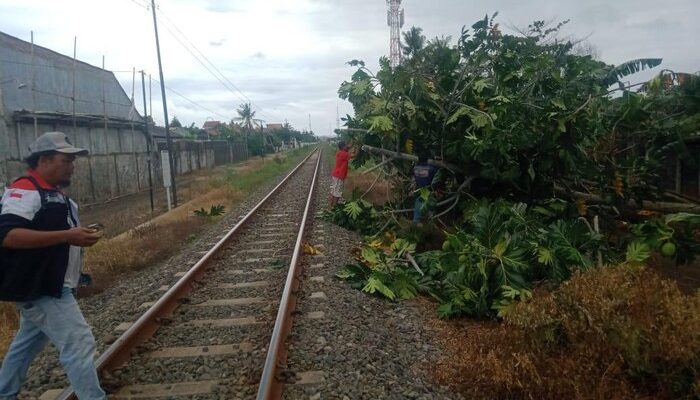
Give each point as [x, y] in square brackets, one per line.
[637, 252]
[629, 68]
[374, 285]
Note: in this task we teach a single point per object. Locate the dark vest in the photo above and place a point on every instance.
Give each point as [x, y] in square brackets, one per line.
[27, 274]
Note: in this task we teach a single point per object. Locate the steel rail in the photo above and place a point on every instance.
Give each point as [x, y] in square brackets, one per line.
[119, 352]
[270, 387]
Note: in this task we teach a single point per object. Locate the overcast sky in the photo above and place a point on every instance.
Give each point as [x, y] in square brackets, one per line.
[288, 56]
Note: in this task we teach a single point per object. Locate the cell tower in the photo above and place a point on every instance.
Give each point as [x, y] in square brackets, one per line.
[394, 18]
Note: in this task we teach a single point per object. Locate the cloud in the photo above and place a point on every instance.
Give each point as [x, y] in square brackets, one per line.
[290, 55]
[217, 43]
[222, 7]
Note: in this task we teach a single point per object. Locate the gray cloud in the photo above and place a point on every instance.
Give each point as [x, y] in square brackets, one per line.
[217, 43]
[293, 86]
[218, 6]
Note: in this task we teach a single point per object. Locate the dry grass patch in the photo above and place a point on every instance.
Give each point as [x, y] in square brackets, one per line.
[137, 249]
[612, 333]
[9, 320]
[378, 189]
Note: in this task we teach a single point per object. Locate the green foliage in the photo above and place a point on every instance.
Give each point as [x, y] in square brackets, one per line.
[256, 145]
[214, 211]
[246, 116]
[175, 123]
[501, 253]
[629, 68]
[382, 269]
[677, 229]
[527, 119]
[523, 113]
[355, 214]
[498, 256]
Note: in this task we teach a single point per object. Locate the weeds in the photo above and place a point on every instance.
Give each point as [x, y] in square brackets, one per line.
[214, 211]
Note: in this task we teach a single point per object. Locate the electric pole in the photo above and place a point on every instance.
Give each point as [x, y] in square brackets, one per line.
[148, 139]
[165, 110]
[394, 18]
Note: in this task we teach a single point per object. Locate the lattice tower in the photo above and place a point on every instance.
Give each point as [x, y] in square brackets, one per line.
[394, 18]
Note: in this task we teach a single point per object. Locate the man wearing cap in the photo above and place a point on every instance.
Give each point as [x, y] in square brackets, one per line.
[40, 256]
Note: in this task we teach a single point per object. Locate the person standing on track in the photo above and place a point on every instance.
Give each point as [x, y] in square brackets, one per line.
[423, 173]
[340, 172]
[40, 263]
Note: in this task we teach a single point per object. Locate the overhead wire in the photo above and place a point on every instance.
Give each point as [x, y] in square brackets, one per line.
[192, 101]
[225, 82]
[171, 22]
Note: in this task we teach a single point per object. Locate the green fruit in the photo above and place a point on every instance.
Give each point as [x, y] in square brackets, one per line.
[463, 259]
[446, 245]
[668, 249]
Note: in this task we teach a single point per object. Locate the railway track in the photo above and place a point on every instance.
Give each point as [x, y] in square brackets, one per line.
[219, 331]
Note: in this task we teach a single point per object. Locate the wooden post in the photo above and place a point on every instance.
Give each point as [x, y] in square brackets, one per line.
[75, 50]
[678, 175]
[36, 123]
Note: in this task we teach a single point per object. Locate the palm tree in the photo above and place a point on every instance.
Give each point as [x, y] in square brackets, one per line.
[246, 115]
[414, 40]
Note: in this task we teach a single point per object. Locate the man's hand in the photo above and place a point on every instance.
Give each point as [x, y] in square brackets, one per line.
[22, 238]
[82, 237]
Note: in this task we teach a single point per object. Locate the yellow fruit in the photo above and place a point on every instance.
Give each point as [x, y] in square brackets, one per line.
[618, 185]
[581, 207]
[409, 146]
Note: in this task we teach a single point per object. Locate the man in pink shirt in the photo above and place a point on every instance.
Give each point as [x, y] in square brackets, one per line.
[340, 172]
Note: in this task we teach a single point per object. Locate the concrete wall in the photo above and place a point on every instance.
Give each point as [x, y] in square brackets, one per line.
[118, 160]
[115, 167]
[192, 155]
[229, 152]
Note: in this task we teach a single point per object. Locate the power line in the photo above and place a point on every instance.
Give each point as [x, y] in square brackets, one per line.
[214, 66]
[192, 101]
[220, 76]
[140, 4]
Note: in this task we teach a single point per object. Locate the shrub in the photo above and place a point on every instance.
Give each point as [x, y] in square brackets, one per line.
[618, 332]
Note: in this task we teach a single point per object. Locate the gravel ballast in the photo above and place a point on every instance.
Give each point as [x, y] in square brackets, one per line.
[344, 344]
[123, 301]
[363, 347]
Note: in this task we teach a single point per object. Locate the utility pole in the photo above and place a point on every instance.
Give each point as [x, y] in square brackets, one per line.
[148, 140]
[165, 109]
[394, 18]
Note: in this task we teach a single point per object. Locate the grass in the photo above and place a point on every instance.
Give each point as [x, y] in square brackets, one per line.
[162, 236]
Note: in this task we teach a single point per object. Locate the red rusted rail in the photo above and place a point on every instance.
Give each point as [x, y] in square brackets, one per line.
[119, 352]
[270, 387]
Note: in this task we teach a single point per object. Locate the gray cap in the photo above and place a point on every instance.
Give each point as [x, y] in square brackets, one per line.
[55, 141]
